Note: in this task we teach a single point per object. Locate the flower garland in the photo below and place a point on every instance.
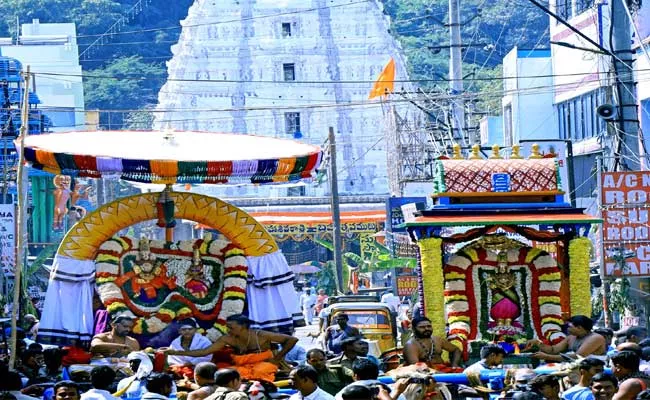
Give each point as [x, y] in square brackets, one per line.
[579, 252]
[433, 283]
[224, 272]
[467, 307]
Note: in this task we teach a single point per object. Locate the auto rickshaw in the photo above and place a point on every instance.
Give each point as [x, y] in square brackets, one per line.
[375, 321]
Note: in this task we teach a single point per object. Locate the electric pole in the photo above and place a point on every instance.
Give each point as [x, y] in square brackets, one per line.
[21, 225]
[627, 150]
[456, 72]
[336, 212]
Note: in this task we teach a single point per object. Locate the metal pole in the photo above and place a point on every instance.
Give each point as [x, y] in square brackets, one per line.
[456, 72]
[5, 170]
[336, 212]
[603, 278]
[572, 174]
[22, 217]
[628, 123]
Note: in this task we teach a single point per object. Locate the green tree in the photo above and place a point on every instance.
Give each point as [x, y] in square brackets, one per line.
[127, 81]
[490, 29]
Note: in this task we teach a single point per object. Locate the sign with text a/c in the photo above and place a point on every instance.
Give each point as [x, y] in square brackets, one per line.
[625, 199]
[7, 239]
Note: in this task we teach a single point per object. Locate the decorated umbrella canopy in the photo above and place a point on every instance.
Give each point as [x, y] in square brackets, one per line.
[309, 267]
[173, 157]
[170, 157]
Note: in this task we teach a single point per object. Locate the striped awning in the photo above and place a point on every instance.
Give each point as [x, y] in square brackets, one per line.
[174, 157]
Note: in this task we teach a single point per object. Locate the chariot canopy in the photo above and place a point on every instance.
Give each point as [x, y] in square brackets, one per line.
[260, 274]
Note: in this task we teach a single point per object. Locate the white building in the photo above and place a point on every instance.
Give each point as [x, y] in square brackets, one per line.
[567, 89]
[528, 111]
[290, 69]
[52, 49]
[642, 67]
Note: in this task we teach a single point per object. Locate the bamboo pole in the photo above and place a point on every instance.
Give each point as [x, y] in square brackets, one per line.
[22, 217]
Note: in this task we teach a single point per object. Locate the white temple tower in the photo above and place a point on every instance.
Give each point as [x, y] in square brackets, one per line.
[286, 68]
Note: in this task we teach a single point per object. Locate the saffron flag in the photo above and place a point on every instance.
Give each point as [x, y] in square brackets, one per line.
[385, 83]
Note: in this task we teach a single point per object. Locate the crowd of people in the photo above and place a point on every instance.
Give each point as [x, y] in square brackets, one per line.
[244, 363]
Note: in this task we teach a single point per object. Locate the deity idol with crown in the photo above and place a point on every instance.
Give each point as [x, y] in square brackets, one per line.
[148, 275]
[196, 277]
[505, 307]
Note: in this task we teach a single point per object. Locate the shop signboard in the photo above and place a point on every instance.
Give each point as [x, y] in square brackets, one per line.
[625, 202]
[8, 244]
[407, 285]
[396, 237]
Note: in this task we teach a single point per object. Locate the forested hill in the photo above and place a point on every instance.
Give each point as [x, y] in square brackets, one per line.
[490, 29]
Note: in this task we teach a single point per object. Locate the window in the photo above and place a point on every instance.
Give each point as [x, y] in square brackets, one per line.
[507, 124]
[63, 117]
[563, 9]
[291, 122]
[289, 71]
[368, 319]
[577, 117]
[286, 29]
[583, 5]
[561, 112]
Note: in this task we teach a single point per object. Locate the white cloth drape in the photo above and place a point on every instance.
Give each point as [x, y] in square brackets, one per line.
[68, 308]
[272, 301]
[199, 342]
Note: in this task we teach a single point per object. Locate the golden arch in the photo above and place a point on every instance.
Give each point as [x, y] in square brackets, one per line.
[84, 238]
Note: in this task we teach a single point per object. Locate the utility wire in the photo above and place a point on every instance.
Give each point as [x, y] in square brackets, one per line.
[313, 82]
[238, 20]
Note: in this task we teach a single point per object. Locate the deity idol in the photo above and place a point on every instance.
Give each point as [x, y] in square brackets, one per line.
[148, 276]
[505, 307]
[196, 277]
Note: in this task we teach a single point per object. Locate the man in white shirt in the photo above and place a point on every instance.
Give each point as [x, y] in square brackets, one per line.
[134, 387]
[307, 303]
[304, 379]
[391, 300]
[101, 378]
[189, 340]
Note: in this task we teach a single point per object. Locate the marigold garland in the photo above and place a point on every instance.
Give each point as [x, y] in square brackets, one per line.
[463, 274]
[579, 252]
[175, 306]
[433, 282]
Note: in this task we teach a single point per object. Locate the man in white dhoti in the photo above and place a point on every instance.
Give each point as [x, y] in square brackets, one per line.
[189, 340]
[307, 303]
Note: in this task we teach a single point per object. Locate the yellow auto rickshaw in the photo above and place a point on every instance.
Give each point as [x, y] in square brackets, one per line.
[375, 321]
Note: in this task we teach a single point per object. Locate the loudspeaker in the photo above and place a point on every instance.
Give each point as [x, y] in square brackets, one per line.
[606, 112]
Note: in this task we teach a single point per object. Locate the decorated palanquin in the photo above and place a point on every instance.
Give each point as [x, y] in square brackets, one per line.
[159, 282]
[484, 272]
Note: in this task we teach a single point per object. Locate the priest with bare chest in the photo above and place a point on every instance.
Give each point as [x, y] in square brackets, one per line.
[426, 348]
[251, 349]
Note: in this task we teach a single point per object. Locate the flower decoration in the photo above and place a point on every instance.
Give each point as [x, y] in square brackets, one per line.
[433, 283]
[473, 295]
[159, 290]
[579, 253]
